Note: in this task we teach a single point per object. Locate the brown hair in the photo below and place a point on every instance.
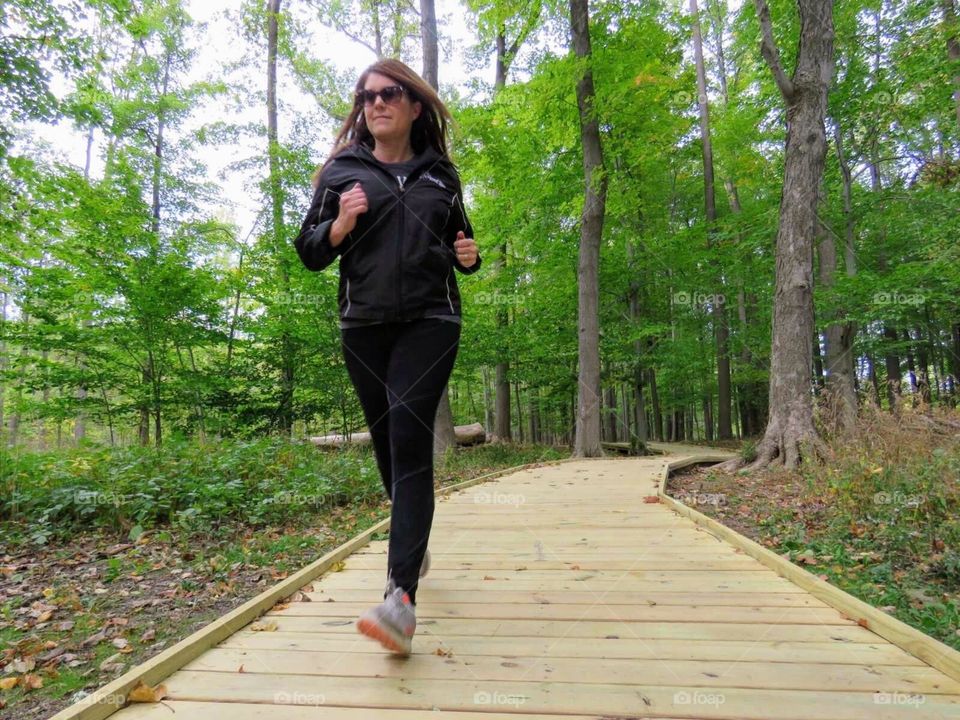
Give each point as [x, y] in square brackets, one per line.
[429, 128]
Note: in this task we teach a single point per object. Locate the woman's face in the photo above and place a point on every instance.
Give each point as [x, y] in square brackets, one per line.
[389, 122]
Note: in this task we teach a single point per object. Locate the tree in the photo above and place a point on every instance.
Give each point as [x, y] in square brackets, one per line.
[790, 436]
[587, 443]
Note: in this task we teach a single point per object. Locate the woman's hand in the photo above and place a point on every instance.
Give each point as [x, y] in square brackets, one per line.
[466, 249]
[352, 203]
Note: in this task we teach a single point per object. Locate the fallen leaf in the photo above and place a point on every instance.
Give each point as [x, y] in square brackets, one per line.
[23, 666]
[8, 683]
[145, 694]
[264, 626]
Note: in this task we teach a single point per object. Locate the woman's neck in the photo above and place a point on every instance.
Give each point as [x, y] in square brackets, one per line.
[393, 152]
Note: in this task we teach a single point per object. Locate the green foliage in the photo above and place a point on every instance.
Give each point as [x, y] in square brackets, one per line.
[187, 485]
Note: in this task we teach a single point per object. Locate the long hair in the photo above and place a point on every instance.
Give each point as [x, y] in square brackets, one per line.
[428, 130]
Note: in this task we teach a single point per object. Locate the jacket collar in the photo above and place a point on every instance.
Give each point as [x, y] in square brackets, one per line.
[427, 158]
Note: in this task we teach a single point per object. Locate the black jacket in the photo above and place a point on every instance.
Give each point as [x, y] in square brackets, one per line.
[398, 262]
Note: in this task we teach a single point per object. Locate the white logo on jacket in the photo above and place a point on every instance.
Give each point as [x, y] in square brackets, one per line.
[435, 180]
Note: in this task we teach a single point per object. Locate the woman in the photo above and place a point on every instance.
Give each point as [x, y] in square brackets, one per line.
[388, 202]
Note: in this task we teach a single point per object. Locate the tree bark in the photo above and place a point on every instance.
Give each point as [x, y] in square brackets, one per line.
[428, 39]
[790, 436]
[287, 361]
[718, 308]
[587, 442]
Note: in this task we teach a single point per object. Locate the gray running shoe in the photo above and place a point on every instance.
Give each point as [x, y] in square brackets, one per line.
[392, 622]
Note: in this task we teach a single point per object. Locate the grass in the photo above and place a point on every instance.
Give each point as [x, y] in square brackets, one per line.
[880, 519]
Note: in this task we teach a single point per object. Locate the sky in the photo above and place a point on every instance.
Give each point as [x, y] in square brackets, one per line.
[240, 201]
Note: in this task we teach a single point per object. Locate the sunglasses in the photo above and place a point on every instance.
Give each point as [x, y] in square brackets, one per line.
[390, 94]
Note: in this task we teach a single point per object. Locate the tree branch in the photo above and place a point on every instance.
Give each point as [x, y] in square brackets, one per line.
[768, 48]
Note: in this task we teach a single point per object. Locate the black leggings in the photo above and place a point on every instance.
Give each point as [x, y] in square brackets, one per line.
[399, 370]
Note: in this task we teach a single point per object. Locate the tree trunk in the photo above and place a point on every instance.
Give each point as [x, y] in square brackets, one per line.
[587, 443]
[287, 360]
[428, 39]
[841, 396]
[718, 309]
[953, 46]
[790, 436]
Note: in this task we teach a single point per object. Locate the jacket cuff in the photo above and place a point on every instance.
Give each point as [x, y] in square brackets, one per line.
[316, 249]
[469, 270]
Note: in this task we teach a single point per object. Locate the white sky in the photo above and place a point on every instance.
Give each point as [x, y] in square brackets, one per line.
[222, 44]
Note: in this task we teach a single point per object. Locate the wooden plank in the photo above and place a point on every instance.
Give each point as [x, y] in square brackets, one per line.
[843, 631]
[575, 613]
[443, 560]
[188, 710]
[376, 581]
[530, 667]
[573, 597]
[412, 692]
[625, 647]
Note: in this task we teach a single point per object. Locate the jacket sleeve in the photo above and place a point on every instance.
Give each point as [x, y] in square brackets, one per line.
[456, 222]
[313, 242]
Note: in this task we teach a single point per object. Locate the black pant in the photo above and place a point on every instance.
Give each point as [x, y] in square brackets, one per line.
[399, 370]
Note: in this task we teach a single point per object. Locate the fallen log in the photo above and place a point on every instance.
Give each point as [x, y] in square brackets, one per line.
[466, 435]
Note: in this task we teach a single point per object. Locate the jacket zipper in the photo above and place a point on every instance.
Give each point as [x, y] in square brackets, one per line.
[399, 254]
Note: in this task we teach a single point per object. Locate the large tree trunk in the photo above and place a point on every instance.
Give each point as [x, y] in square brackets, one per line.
[790, 436]
[587, 442]
[718, 308]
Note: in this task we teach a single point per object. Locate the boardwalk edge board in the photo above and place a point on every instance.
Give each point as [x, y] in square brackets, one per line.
[112, 697]
[930, 650]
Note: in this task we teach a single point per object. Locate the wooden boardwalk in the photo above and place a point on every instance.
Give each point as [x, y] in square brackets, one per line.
[558, 592]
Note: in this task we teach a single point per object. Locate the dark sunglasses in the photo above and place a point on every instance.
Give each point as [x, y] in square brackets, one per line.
[390, 94]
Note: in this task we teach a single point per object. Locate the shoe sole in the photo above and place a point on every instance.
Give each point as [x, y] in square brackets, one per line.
[391, 640]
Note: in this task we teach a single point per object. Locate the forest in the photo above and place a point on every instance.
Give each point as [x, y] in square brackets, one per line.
[702, 221]
[133, 309]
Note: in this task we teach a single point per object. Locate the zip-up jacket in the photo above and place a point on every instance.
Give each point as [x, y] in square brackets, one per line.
[398, 262]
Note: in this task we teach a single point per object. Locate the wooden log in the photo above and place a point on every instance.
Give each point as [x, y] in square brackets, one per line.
[466, 435]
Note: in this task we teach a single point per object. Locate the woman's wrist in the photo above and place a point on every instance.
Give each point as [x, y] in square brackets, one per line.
[337, 233]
